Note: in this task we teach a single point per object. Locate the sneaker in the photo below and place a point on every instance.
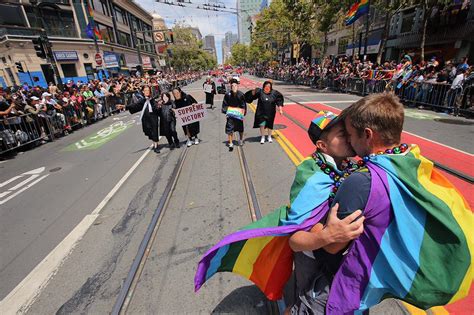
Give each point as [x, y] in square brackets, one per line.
[189, 143]
[241, 143]
[177, 145]
[231, 147]
[270, 139]
[262, 140]
[171, 146]
[196, 141]
[156, 150]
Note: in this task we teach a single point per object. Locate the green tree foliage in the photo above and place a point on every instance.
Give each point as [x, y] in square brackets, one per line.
[187, 52]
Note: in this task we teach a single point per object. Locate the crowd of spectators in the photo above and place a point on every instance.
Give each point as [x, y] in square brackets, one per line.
[442, 85]
[33, 115]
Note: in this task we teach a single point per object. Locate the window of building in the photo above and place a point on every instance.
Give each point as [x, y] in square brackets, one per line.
[135, 23]
[11, 15]
[120, 15]
[124, 39]
[101, 6]
[69, 70]
[106, 32]
[56, 22]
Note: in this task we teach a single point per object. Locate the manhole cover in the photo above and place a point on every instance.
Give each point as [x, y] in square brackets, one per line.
[278, 126]
[454, 121]
[54, 169]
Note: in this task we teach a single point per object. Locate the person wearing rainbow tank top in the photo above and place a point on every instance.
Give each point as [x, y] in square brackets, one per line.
[417, 244]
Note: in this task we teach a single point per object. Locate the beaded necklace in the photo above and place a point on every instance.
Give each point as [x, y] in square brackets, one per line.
[349, 167]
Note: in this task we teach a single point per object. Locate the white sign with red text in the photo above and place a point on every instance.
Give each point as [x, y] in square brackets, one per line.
[190, 114]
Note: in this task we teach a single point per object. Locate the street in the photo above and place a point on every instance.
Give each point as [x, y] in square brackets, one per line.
[74, 211]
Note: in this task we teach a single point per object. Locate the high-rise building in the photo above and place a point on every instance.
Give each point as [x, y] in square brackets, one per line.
[246, 10]
[210, 45]
[69, 28]
[229, 40]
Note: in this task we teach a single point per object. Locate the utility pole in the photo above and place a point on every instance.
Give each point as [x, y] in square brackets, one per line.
[139, 54]
[367, 31]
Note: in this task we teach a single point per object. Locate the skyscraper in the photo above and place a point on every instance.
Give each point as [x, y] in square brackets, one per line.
[210, 45]
[227, 42]
[246, 9]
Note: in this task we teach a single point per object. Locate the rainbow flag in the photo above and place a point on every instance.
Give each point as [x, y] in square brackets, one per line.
[235, 112]
[418, 240]
[91, 29]
[260, 251]
[417, 244]
[356, 11]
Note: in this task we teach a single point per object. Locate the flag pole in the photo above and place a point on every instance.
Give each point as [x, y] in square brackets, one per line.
[367, 31]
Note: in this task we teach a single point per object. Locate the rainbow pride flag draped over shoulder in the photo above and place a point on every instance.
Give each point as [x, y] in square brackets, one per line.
[356, 11]
[418, 240]
[260, 251]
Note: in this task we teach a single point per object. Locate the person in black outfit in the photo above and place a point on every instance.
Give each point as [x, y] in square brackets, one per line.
[182, 99]
[210, 96]
[168, 120]
[234, 98]
[150, 115]
[268, 100]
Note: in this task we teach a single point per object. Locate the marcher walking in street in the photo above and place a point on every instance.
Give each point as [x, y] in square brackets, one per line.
[210, 90]
[192, 130]
[168, 120]
[149, 115]
[268, 101]
[235, 108]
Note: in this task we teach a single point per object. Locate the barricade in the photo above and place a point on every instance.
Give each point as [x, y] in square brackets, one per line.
[19, 131]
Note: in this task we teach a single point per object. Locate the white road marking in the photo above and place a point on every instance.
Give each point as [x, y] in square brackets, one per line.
[25, 293]
[33, 175]
[9, 181]
[23, 189]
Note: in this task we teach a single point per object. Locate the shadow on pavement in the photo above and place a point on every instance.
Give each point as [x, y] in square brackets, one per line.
[244, 300]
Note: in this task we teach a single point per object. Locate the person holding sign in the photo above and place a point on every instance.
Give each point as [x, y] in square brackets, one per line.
[210, 90]
[235, 108]
[149, 115]
[268, 101]
[182, 99]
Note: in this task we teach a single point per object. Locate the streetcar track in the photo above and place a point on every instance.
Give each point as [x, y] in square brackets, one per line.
[129, 286]
[126, 292]
[447, 169]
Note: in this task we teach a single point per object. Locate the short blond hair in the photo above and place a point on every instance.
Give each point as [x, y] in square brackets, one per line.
[381, 112]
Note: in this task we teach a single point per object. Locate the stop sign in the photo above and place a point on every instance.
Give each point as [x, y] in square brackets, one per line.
[98, 59]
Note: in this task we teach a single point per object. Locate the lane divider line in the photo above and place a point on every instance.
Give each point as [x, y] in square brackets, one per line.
[19, 300]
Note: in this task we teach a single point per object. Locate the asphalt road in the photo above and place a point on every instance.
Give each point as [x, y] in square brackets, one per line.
[82, 169]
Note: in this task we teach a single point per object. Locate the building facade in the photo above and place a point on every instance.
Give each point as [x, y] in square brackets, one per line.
[210, 45]
[246, 10]
[77, 56]
[229, 40]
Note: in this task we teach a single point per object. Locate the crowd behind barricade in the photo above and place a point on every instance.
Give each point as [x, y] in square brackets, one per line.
[33, 115]
[440, 85]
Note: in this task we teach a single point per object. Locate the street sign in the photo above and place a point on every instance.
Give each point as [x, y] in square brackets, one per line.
[159, 37]
[98, 59]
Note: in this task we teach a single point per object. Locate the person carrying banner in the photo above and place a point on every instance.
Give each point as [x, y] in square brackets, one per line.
[235, 108]
[182, 99]
[210, 90]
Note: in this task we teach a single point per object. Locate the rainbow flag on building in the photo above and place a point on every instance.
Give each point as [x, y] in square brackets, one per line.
[91, 29]
[356, 11]
[417, 244]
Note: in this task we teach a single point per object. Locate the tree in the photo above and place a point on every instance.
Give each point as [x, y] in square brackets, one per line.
[187, 52]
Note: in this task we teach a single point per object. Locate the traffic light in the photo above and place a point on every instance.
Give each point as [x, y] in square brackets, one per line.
[19, 67]
[39, 47]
